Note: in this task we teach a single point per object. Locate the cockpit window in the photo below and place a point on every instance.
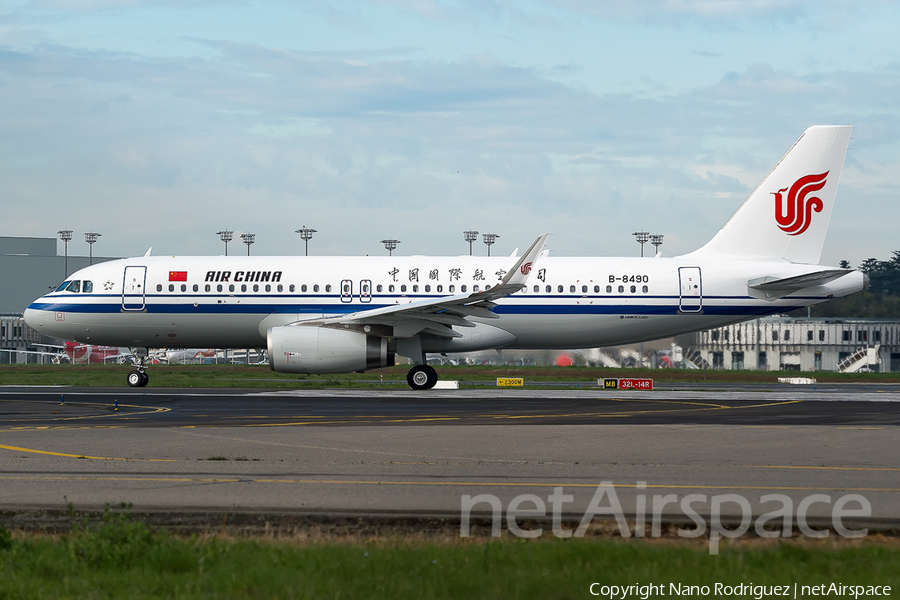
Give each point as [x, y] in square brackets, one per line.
[62, 286]
[88, 287]
[75, 286]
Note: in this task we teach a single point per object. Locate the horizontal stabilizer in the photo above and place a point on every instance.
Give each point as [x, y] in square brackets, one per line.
[771, 287]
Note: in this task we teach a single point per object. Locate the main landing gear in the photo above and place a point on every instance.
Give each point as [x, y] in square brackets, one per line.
[139, 377]
[422, 377]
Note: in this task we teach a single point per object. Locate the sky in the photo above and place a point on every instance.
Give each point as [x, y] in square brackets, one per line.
[161, 122]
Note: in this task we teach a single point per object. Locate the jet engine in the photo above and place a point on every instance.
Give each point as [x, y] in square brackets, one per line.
[310, 349]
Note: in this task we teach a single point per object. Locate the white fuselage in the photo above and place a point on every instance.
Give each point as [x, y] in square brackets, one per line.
[231, 302]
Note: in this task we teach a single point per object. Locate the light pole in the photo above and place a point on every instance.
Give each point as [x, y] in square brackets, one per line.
[656, 240]
[489, 239]
[390, 245]
[226, 236]
[470, 236]
[248, 238]
[91, 239]
[306, 234]
[66, 235]
[641, 237]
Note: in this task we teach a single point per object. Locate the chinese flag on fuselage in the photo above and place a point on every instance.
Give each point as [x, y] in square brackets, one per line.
[177, 275]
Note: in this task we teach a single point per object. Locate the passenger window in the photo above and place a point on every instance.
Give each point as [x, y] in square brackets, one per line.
[462, 289]
[440, 288]
[379, 288]
[75, 286]
[452, 288]
[403, 288]
[328, 288]
[88, 287]
[280, 288]
[230, 287]
[548, 289]
[584, 289]
[292, 288]
[633, 289]
[303, 288]
[196, 288]
[207, 288]
[315, 288]
[621, 289]
[609, 289]
[391, 288]
[475, 288]
[243, 287]
[596, 289]
[219, 288]
[255, 287]
[571, 289]
[158, 287]
[183, 287]
[559, 289]
[416, 287]
[171, 287]
[537, 289]
[268, 288]
[427, 288]
[346, 288]
[645, 289]
[63, 285]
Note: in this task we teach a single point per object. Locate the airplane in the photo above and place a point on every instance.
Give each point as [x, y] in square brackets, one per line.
[88, 353]
[344, 314]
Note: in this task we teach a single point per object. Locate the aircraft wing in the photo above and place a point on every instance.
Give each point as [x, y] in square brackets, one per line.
[438, 315]
[770, 287]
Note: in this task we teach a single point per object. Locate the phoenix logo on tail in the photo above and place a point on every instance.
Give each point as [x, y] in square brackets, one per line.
[795, 214]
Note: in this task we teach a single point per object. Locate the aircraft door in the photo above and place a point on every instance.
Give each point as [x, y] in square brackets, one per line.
[691, 296]
[133, 288]
[365, 290]
[346, 291]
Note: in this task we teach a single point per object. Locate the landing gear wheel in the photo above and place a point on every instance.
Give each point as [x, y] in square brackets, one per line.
[145, 379]
[137, 379]
[422, 377]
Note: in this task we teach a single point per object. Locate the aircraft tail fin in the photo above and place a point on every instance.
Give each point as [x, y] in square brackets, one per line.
[787, 215]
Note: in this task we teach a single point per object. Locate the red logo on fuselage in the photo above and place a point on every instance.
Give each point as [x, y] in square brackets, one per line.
[526, 268]
[794, 213]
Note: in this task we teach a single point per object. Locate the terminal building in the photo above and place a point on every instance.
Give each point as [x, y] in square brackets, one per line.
[798, 344]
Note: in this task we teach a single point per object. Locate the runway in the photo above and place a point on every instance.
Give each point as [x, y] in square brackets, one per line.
[373, 452]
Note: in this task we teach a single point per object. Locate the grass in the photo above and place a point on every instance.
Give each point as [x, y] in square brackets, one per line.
[124, 558]
[260, 376]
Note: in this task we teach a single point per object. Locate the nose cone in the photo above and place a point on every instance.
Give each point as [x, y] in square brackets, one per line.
[34, 318]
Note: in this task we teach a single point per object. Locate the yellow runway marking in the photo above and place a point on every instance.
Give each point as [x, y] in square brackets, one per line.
[17, 449]
[431, 483]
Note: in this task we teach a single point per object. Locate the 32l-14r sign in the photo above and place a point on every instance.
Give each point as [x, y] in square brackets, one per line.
[628, 384]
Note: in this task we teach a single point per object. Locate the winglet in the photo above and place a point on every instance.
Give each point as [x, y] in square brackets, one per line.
[515, 279]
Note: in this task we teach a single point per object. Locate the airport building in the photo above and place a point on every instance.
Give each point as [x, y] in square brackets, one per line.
[798, 344]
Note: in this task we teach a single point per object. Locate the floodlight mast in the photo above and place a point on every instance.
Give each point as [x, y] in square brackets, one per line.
[306, 234]
[390, 245]
[489, 239]
[226, 236]
[91, 239]
[248, 238]
[656, 239]
[470, 237]
[642, 237]
[66, 236]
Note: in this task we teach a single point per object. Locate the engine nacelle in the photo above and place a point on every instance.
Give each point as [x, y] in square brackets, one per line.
[307, 349]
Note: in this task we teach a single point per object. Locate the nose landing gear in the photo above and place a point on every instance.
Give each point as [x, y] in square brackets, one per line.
[138, 377]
